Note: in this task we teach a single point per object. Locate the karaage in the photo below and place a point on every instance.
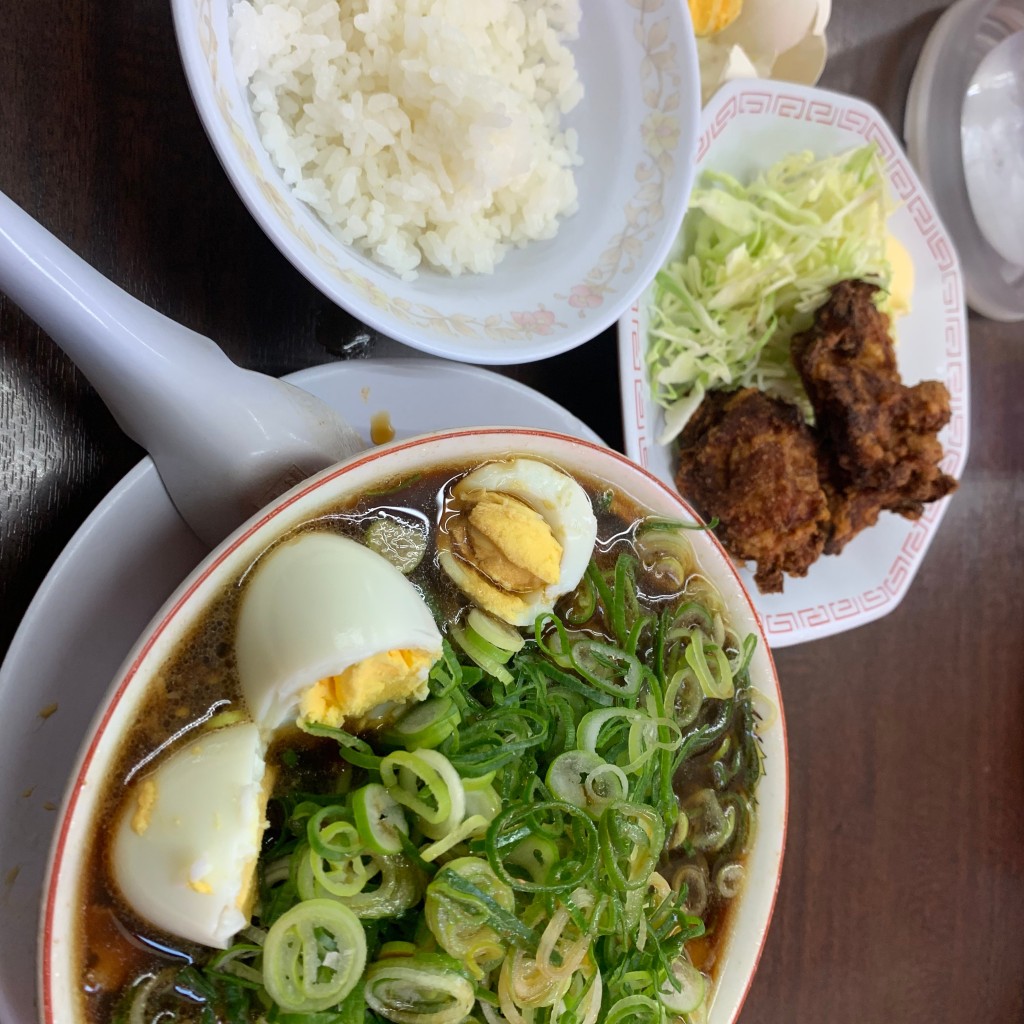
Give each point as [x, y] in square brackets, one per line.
[879, 437]
[751, 461]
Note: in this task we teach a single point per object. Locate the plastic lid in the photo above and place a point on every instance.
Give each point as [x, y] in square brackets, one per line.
[992, 132]
[948, 121]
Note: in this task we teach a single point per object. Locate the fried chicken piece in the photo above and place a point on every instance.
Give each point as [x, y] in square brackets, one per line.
[751, 460]
[879, 443]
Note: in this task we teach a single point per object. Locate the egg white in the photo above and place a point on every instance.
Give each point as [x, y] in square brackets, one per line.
[316, 606]
[186, 842]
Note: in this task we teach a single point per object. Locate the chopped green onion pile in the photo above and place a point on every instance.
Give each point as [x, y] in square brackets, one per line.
[757, 260]
[537, 846]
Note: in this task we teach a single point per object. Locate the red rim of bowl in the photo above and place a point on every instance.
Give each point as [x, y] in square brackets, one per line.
[56, 859]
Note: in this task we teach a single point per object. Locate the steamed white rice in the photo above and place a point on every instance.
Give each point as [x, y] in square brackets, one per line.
[421, 131]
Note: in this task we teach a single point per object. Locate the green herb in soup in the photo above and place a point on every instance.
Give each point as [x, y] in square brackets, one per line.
[547, 827]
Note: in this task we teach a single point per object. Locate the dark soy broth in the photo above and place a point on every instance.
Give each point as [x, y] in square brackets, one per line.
[198, 686]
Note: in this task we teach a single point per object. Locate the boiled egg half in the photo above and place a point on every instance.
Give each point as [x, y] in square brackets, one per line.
[329, 630]
[517, 535]
[185, 846]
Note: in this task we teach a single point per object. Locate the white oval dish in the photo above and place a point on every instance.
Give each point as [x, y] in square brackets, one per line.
[747, 127]
[58, 981]
[637, 128]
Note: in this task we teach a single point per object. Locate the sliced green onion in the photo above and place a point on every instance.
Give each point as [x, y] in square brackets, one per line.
[475, 825]
[605, 785]
[522, 982]
[400, 888]
[353, 749]
[483, 802]
[683, 990]
[232, 961]
[330, 835]
[464, 880]
[426, 724]
[478, 782]
[746, 821]
[583, 605]
[680, 832]
[456, 795]
[765, 711]
[338, 878]
[415, 781]
[585, 779]
[635, 1010]
[379, 819]
[566, 774]
[693, 614]
[224, 718]
[684, 696]
[552, 639]
[553, 819]
[649, 734]
[632, 838]
[604, 665]
[418, 990]
[665, 551]
[554, 942]
[461, 920]
[314, 956]
[588, 733]
[745, 655]
[729, 879]
[691, 879]
[625, 606]
[490, 630]
[536, 855]
[710, 825]
[719, 686]
[395, 949]
[399, 541]
[488, 657]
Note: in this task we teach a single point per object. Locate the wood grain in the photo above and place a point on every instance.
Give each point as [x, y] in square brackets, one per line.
[903, 887]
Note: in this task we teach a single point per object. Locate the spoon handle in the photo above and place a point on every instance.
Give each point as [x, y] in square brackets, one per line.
[121, 345]
[225, 440]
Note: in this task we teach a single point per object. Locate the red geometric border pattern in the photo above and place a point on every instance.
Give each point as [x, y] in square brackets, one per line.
[863, 121]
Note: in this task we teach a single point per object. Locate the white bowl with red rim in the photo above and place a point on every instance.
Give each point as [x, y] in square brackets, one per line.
[59, 971]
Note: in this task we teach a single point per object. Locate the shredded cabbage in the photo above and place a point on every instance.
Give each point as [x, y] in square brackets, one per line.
[756, 261]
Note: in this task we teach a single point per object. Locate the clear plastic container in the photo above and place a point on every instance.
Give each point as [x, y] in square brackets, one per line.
[938, 137]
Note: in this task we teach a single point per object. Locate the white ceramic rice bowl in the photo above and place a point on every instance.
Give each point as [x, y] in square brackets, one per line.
[637, 127]
[59, 983]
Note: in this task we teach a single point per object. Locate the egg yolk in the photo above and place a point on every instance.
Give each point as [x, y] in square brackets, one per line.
[502, 552]
[902, 285]
[145, 801]
[483, 592]
[394, 675]
[711, 16]
[508, 542]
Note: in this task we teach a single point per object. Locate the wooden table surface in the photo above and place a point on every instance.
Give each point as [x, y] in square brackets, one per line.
[902, 896]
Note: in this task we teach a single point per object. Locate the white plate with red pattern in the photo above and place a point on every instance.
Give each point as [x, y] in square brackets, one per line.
[745, 128]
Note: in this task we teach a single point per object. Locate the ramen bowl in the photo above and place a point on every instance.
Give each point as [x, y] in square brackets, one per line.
[72, 873]
[637, 131]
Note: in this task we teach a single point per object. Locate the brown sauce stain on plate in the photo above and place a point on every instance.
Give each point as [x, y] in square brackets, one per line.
[381, 430]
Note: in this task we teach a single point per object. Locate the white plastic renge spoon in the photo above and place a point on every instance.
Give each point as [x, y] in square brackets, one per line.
[225, 440]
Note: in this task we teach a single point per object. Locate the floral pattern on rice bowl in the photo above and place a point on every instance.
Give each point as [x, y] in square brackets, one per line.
[662, 137]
